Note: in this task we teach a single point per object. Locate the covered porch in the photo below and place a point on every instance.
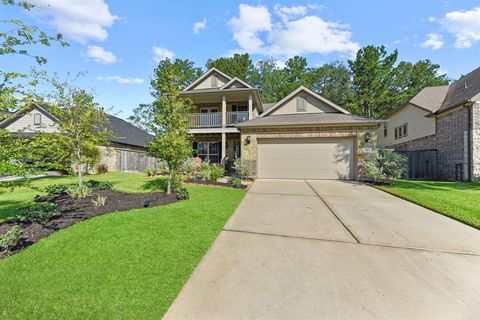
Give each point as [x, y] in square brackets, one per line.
[221, 148]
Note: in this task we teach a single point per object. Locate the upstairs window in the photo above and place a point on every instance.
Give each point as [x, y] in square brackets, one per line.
[401, 131]
[301, 105]
[37, 119]
[214, 81]
[385, 129]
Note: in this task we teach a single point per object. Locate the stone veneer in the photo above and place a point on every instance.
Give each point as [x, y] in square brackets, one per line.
[249, 151]
[476, 140]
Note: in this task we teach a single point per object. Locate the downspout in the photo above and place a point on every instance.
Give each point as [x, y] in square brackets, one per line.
[470, 143]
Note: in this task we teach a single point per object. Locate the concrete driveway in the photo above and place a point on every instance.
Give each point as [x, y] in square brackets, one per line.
[334, 250]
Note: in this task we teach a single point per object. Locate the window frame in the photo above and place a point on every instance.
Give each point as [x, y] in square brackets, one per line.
[401, 131]
[214, 81]
[385, 129]
[35, 117]
[301, 104]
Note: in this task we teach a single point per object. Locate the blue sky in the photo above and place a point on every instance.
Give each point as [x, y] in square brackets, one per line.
[119, 42]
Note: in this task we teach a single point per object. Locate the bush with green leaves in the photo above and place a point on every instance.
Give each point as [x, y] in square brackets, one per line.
[101, 185]
[190, 167]
[216, 172]
[60, 188]
[204, 172]
[79, 192]
[37, 212]
[11, 238]
[182, 192]
[151, 171]
[235, 181]
[243, 168]
[384, 165]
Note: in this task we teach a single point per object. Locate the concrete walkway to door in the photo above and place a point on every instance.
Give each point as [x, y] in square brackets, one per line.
[334, 250]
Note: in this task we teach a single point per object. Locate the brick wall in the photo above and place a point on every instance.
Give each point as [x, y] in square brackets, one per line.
[451, 140]
[425, 143]
[476, 140]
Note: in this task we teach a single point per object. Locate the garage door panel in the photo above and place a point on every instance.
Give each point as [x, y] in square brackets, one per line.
[305, 158]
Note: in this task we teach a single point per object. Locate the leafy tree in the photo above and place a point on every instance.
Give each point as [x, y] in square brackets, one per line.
[240, 65]
[410, 78]
[373, 73]
[334, 82]
[297, 73]
[81, 121]
[384, 165]
[172, 142]
[271, 80]
[171, 76]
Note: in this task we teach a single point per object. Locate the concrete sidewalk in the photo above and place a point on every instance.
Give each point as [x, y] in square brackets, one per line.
[334, 250]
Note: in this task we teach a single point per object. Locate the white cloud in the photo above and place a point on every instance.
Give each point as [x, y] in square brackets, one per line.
[120, 80]
[293, 33]
[160, 54]
[287, 13]
[199, 26]
[101, 55]
[465, 25]
[432, 19]
[434, 41]
[247, 26]
[79, 20]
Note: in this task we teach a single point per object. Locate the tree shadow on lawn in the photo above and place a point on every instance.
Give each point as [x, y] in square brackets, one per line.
[156, 184]
[9, 209]
[436, 185]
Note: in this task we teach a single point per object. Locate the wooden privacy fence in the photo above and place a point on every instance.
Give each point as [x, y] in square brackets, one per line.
[421, 164]
[117, 159]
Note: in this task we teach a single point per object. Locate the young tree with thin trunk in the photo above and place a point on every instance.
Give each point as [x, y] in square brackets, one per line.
[82, 123]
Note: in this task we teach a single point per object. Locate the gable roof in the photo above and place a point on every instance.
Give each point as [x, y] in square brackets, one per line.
[308, 91]
[204, 76]
[235, 79]
[462, 90]
[123, 131]
[430, 98]
[308, 119]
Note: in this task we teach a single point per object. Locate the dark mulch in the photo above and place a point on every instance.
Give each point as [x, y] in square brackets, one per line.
[215, 183]
[75, 210]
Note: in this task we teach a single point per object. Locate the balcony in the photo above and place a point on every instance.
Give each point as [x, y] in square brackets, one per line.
[214, 119]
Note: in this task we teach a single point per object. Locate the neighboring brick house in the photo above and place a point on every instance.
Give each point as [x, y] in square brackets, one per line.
[444, 121]
[126, 150]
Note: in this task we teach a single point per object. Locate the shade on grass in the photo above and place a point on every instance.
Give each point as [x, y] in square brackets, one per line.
[458, 200]
[126, 265]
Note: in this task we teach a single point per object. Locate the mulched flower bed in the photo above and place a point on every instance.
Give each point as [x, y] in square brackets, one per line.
[215, 183]
[75, 210]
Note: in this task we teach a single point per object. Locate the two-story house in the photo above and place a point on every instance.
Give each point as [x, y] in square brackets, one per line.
[439, 130]
[303, 136]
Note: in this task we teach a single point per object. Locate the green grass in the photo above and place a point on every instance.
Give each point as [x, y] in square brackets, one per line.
[458, 200]
[125, 265]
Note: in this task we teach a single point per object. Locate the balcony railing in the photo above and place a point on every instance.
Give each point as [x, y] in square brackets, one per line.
[214, 119]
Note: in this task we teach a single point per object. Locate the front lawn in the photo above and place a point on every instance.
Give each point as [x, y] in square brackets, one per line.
[458, 200]
[125, 265]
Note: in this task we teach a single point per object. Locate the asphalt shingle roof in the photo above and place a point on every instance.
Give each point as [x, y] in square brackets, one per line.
[126, 133]
[430, 98]
[462, 90]
[307, 119]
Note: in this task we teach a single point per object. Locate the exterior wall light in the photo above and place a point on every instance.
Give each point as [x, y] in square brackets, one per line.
[248, 139]
[368, 137]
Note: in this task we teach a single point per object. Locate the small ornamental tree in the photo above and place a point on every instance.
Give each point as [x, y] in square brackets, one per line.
[384, 165]
[82, 124]
[172, 142]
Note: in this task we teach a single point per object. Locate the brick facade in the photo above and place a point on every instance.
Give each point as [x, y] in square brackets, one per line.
[420, 144]
[452, 144]
[476, 140]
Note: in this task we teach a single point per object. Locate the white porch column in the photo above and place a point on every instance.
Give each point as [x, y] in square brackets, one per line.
[224, 112]
[250, 107]
[224, 147]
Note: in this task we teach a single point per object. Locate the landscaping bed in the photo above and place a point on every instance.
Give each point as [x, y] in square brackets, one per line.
[75, 210]
[216, 183]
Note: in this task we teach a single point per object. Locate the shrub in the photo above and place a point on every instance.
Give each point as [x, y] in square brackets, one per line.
[190, 167]
[243, 168]
[235, 181]
[79, 192]
[384, 165]
[61, 188]
[101, 168]
[11, 238]
[204, 172]
[99, 202]
[182, 192]
[37, 212]
[216, 172]
[151, 172]
[101, 185]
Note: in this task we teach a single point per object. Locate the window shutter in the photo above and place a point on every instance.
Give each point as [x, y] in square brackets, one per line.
[301, 104]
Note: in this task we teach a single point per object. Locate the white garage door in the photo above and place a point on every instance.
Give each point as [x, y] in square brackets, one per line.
[308, 158]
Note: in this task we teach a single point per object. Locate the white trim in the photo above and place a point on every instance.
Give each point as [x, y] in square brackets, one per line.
[206, 74]
[214, 130]
[308, 91]
[235, 79]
